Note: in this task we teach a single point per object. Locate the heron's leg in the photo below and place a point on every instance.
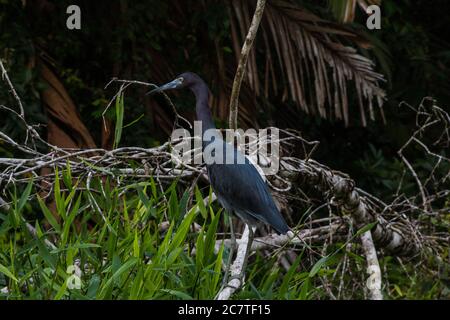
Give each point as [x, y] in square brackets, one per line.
[231, 253]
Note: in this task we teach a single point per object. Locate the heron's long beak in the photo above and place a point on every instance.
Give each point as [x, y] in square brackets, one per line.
[170, 85]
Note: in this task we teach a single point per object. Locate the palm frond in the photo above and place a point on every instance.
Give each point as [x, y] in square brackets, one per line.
[315, 64]
[344, 10]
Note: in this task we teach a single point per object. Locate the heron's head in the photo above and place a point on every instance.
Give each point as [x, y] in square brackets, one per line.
[184, 80]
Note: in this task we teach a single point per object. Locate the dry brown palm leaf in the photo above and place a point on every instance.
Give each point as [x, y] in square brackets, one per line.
[344, 10]
[248, 104]
[65, 128]
[315, 64]
[161, 70]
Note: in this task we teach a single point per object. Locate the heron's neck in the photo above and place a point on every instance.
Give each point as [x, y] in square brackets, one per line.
[202, 109]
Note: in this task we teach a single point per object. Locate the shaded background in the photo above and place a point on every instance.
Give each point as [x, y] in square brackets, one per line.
[60, 74]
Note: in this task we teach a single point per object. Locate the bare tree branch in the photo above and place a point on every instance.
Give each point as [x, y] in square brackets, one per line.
[234, 100]
[237, 268]
[373, 267]
[11, 88]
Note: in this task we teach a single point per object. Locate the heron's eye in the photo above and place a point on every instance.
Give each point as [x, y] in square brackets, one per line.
[181, 79]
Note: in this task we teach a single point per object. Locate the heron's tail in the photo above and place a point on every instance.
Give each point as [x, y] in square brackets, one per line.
[280, 226]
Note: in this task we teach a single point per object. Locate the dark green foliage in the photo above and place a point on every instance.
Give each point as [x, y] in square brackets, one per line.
[124, 253]
[114, 230]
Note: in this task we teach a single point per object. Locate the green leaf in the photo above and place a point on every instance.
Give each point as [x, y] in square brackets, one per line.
[173, 255]
[76, 246]
[154, 189]
[127, 265]
[94, 284]
[319, 264]
[68, 222]
[200, 203]
[287, 278]
[304, 291]
[176, 293]
[119, 119]
[136, 250]
[67, 176]
[184, 202]
[210, 239]
[137, 285]
[60, 203]
[218, 267]
[366, 228]
[182, 230]
[7, 273]
[398, 290]
[24, 198]
[200, 249]
[48, 215]
[134, 121]
[174, 209]
[61, 292]
[45, 254]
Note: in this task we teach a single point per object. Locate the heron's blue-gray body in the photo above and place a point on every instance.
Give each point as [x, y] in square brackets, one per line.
[238, 186]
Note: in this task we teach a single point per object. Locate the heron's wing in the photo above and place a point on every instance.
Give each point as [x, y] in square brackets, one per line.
[243, 190]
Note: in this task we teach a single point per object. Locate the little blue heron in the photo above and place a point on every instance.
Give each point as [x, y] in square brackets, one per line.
[238, 186]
